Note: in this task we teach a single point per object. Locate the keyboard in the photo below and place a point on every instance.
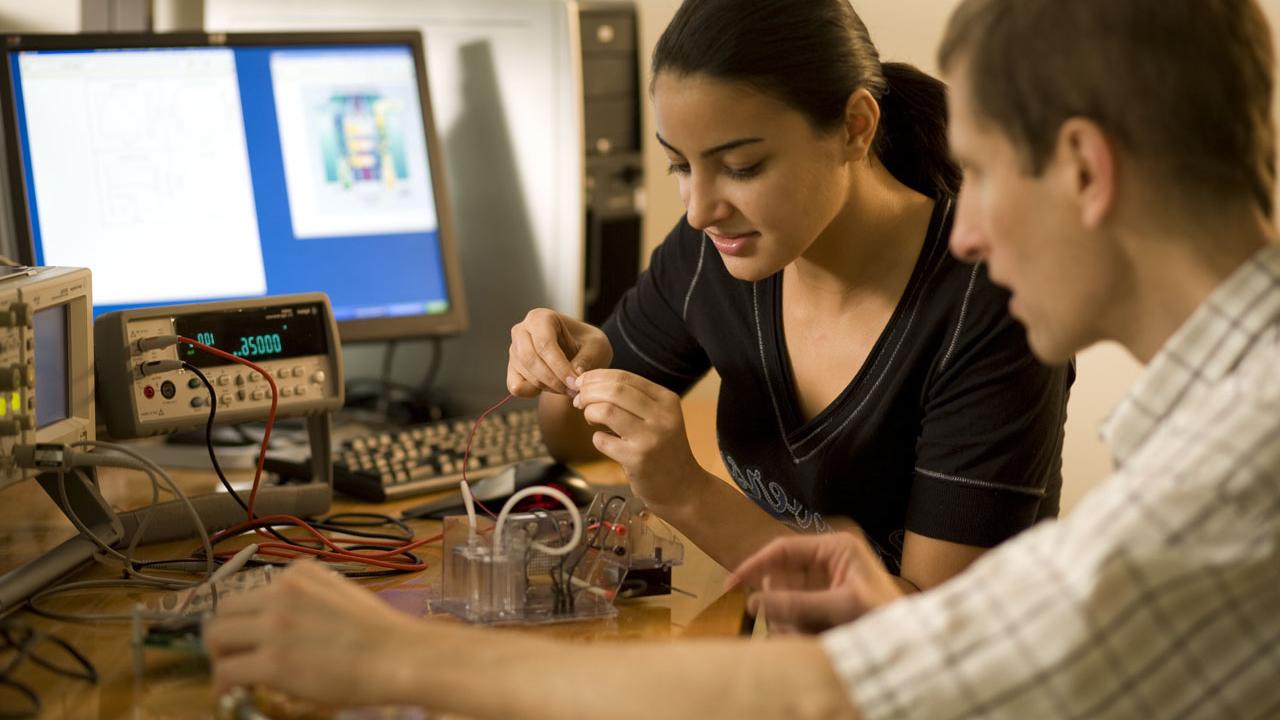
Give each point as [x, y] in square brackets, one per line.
[427, 458]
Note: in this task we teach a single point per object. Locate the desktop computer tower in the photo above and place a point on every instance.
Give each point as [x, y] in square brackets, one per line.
[614, 166]
[613, 194]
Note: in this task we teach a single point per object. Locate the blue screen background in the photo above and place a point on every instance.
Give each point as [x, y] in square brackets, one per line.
[364, 276]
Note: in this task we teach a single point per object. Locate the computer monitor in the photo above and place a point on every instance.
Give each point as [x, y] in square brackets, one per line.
[197, 167]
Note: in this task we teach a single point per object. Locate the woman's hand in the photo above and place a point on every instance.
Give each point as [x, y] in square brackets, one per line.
[547, 349]
[646, 434]
[810, 583]
[313, 635]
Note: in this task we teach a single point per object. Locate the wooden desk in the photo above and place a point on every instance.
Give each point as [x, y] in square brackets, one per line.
[177, 687]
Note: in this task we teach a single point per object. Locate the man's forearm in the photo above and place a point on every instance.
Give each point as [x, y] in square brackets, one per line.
[503, 674]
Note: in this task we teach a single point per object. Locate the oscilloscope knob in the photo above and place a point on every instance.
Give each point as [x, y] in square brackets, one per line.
[13, 377]
[15, 424]
[16, 315]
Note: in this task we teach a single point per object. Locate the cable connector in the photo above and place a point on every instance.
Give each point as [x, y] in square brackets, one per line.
[46, 457]
[56, 457]
[158, 342]
[155, 367]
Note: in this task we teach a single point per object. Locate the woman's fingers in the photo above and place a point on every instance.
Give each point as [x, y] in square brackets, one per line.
[538, 357]
[603, 380]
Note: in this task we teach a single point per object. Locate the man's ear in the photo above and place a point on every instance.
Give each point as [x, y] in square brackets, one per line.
[1088, 161]
[861, 118]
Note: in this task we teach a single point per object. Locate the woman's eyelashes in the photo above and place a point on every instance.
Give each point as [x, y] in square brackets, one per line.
[744, 173]
[737, 173]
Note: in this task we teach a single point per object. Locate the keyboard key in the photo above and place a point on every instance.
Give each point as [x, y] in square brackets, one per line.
[428, 458]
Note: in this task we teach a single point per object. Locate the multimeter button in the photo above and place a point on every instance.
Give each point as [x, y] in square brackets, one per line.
[168, 389]
[240, 394]
[318, 377]
[225, 399]
[224, 379]
[197, 401]
[254, 377]
[297, 371]
[286, 391]
[282, 373]
[300, 390]
[258, 395]
[193, 383]
[239, 379]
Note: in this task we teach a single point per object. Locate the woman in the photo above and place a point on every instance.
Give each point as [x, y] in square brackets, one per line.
[865, 373]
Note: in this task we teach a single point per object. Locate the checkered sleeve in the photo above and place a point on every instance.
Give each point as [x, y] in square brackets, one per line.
[1159, 597]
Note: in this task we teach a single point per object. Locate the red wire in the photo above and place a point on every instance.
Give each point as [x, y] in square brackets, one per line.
[271, 416]
[466, 455]
[327, 549]
[257, 524]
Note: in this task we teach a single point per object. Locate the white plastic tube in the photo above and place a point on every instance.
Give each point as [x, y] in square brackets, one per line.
[559, 497]
[469, 503]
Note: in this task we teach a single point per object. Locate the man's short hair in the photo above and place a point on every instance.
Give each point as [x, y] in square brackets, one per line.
[1184, 86]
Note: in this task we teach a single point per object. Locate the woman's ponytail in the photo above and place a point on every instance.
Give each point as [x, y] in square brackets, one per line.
[912, 141]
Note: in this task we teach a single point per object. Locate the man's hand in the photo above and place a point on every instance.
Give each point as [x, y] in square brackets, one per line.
[810, 583]
[309, 634]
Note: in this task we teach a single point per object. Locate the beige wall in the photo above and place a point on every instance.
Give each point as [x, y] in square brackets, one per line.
[910, 31]
[61, 16]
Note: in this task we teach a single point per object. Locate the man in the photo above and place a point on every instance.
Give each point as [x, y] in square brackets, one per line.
[1119, 181]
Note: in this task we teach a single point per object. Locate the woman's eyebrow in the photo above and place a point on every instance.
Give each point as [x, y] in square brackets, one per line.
[723, 147]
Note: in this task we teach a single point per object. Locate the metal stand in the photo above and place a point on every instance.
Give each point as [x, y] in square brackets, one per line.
[169, 520]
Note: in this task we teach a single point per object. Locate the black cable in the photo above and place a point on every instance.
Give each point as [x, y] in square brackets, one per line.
[353, 523]
[433, 368]
[213, 456]
[31, 697]
[383, 405]
[208, 435]
[25, 640]
[592, 544]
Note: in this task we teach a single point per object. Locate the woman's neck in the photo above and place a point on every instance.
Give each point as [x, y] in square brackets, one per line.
[871, 246]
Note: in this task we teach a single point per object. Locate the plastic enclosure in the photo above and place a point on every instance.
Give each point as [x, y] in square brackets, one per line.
[519, 584]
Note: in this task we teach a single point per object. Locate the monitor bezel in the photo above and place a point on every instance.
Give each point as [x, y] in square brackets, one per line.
[452, 322]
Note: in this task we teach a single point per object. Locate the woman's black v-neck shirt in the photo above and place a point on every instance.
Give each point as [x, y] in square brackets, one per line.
[951, 429]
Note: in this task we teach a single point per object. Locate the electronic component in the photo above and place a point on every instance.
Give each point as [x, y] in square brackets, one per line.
[174, 621]
[144, 391]
[46, 361]
[527, 568]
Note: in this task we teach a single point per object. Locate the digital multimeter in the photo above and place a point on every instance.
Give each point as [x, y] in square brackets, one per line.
[143, 391]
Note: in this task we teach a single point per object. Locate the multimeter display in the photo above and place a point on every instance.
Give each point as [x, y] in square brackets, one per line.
[254, 334]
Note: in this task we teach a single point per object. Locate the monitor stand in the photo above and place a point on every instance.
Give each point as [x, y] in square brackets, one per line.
[170, 520]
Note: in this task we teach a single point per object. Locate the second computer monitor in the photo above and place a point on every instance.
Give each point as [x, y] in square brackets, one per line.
[202, 167]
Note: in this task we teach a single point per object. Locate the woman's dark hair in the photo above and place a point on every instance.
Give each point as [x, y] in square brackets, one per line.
[812, 55]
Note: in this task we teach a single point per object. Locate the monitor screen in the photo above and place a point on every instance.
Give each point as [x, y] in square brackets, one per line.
[194, 168]
[53, 381]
